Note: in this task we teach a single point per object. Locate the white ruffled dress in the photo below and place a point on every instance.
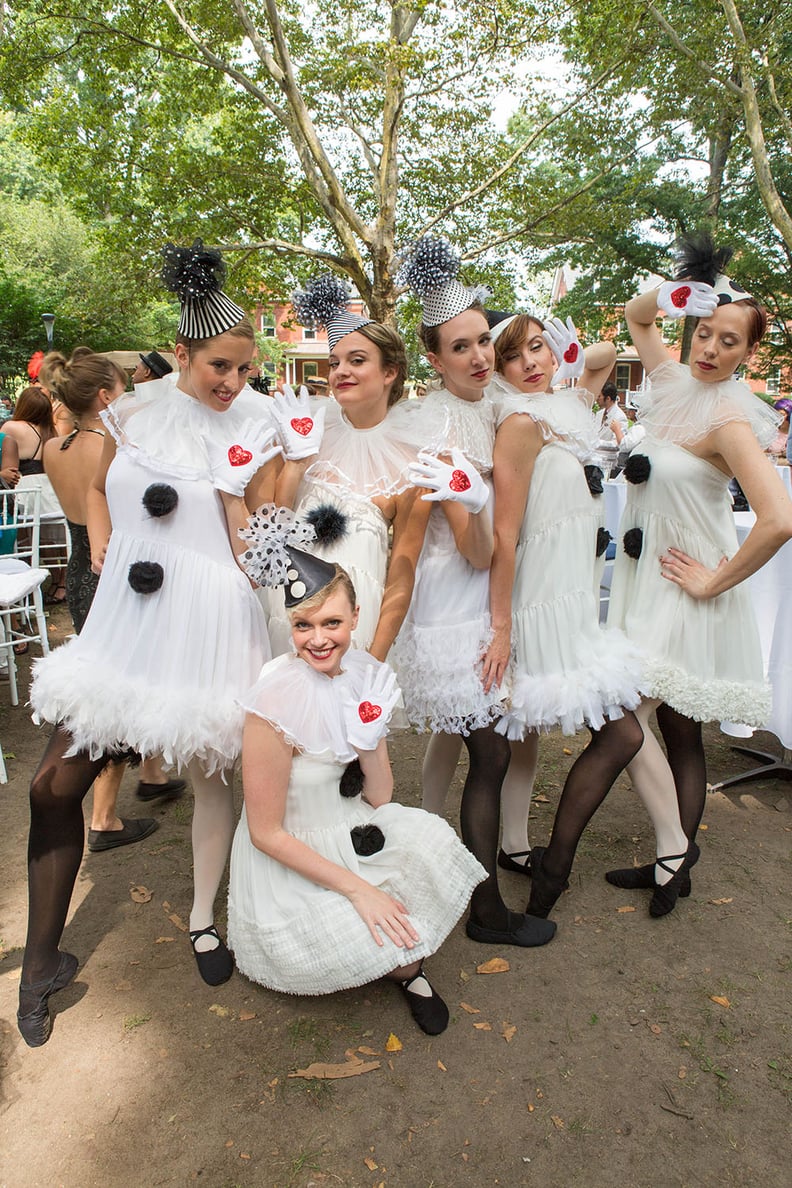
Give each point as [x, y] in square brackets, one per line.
[293, 935]
[446, 632]
[161, 672]
[355, 471]
[703, 657]
[568, 670]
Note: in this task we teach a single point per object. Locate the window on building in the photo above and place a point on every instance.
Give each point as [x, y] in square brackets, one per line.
[310, 370]
[309, 335]
[773, 386]
[267, 326]
[623, 372]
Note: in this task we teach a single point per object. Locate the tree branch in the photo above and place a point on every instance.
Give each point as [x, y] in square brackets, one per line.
[786, 123]
[282, 246]
[690, 54]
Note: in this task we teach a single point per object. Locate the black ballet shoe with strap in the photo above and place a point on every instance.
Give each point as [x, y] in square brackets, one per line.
[545, 891]
[666, 894]
[635, 878]
[214, 965]
[428, 1010]
[34, 1023]
[507, 861]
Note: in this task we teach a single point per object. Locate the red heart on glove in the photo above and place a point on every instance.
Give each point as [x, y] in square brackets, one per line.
[571, 353]
[459, 481]
[303, 426]
[369, 712]
[679, 297]
[239, 456]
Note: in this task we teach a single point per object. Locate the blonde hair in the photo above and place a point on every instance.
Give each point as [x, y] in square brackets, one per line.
[340, 581]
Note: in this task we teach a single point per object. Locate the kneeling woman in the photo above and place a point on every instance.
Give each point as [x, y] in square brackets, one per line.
[332, 887]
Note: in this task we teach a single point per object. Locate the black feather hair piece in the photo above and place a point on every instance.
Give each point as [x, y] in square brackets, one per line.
[192, 271]
[428, 264]
[698, 259]
[322, 299]
[328, 522]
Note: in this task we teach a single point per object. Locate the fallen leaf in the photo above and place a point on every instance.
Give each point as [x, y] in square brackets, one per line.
[531, 1107]
[557, 1122]
[720, 999]
[483, 1026]
[508, 1031]
[177, 920]
[539, 1094]
[441, 1066]
[221, 1011]
[140, 894]
[541, 799]
[625, 909]
[704, 827]
[465, 1157]
[471, 1010]
[246, 1016]
[718, 902]
[230, 1143]
[682, 1073]
[370, 1163]
[368, 1051]
[244, 1155]
[494, 965]
[655, 1028]
[567, 751]
[164, 940]
[464, 976]
[320, 1071]
[393, 1043]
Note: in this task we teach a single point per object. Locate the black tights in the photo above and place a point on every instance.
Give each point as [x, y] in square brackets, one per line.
[590, 779]
[55, 848]
[479, 819]
[685, 751]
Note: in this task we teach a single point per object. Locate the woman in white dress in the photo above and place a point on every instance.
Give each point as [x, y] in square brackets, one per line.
[678, 579]
[446, 630]
[175, 632]
[567, 671]
[330, 890]
[353, 475]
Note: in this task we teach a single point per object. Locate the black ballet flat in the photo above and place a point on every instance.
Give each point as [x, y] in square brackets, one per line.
[506, 861]
[642, 878]
[430, 1013]
[214, 965]
[35, 1026]
[664, 899]
[524, 931]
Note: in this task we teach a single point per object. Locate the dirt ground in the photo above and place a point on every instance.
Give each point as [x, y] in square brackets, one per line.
[630, 1051]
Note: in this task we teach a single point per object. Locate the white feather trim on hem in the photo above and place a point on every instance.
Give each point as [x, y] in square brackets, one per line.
[748, 702]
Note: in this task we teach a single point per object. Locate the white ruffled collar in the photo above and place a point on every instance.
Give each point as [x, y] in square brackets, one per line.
[564, 416]
[304, 705]
[369, 462]
[470, 425]
[164, 427]
[683, 410]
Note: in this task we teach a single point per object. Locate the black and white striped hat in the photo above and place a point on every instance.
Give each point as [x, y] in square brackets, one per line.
[323, 303]
[430, 267]
[196, 274]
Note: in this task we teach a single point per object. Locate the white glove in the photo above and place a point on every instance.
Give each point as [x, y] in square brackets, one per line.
[233, 466]
[366, 716]
[564, 343]
[299, 428]
[460, 482]
[683, 298]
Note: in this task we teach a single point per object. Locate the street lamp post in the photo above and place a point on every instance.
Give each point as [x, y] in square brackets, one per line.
[49, 322]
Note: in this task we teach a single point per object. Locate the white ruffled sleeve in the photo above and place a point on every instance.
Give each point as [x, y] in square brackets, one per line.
[683, 410]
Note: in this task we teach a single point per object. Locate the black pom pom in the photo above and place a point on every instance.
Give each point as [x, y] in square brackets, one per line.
[594, 479]
[160, 499]
[145, 576]
[328, 522]
[637, 468]
[633, 543]
[603, 540]
[322, 299]
[367, 839]
[428, 264]
[193, 271]
[352, 779]
[699, 259]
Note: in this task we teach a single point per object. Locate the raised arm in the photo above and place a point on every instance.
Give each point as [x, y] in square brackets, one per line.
[517, 446]
[598, 362]
[674, 299]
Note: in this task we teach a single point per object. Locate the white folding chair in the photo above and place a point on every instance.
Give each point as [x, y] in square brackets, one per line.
[22, 618]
